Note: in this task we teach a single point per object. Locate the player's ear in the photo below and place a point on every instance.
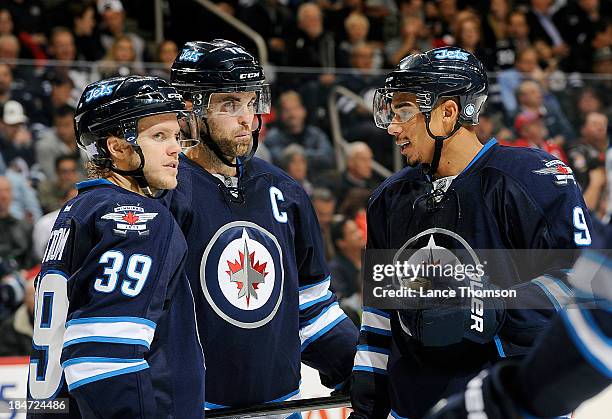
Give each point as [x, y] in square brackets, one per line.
[450, 114]
[118, 148]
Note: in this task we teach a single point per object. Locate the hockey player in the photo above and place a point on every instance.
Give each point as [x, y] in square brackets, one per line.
[548, 384]
[459, 195]
[255, 251]
[114, 326]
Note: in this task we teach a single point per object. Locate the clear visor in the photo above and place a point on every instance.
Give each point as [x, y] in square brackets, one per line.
[394, 107]
[239, 101]
[189, 135]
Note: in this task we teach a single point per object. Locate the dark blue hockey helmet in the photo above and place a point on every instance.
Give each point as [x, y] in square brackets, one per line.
[114, 106]
[439, 73]
[422, 80]
[212, 75]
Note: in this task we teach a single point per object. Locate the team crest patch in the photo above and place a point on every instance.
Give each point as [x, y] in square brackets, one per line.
[130, 218]
[241, 274]
[562, 172]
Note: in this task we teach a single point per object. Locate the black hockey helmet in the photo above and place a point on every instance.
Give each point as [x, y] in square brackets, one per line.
[439, 73]
[205, 69]
[114, 106]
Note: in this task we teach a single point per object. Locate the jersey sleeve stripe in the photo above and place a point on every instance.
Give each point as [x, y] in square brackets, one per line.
[557, 294]
[594, 345]
[115, 332]
[87, 320]
[79, 374]
[376, 349]
[314, 292]
[316, 284]
[370, 369]
[375, 321]
[375, 330]
[106, 339]
[314, 319]
[377, 311]
[323, 323]
[371, 359]
[311, 303]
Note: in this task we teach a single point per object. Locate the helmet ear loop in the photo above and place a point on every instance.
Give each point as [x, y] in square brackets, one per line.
[430, 171]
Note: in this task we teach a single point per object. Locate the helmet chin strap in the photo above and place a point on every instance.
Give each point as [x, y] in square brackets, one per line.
[212, 145]
[138, 175]
[431, 168]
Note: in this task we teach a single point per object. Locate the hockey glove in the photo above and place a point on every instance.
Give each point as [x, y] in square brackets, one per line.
[486, 396]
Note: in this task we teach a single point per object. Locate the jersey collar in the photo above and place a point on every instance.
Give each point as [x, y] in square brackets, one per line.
[92, 182]
[481, 153]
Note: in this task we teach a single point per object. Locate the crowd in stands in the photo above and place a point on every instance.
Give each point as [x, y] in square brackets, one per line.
[550, 65]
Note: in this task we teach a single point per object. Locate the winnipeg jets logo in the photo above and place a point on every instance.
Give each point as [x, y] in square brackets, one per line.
[241, 274]
[247, 273]
[130, 218]
[562, 173]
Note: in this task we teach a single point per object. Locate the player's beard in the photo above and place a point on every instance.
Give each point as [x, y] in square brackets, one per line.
[228, 141]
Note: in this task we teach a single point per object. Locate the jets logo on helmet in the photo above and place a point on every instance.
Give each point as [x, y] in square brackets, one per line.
[190, 55]
[102, 90]
[446, 54]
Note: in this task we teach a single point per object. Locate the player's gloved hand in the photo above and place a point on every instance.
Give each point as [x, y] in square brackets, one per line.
[486, 396]
[369, 396]
[443, 321]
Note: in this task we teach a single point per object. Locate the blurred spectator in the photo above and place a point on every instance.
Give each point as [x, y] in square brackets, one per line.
[589, 100]
[63, 49]
[43, 227]
[526, 67]
[57, 141]
[543, 29]
[120, 60]
[294, 130]
[354, 206]
[469, 37]
[356, 116]
[52, 193]
[15, 235]
[532, 98]
[167, 51]
[442, 14]
[358, 173]
[24, 205]
[518, 30]
[533, 134]
[17, 330]
[490, 124]
[357, 27]
[496, 34]
[345, 267]
[587, 159]
[15, 137]
[312, 46]
[6, 22]
[377, 11]
[60, 93]
[9, 51]
[295, 164]
[413, 38]
[273, 20]
[86, 36]
[325, 206]
[113, 17]
[9, 90]
[577, 23]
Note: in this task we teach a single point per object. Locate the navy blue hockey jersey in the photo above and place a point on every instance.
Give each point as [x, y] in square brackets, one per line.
[263, 302]
[506, 198]
[114, 318]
